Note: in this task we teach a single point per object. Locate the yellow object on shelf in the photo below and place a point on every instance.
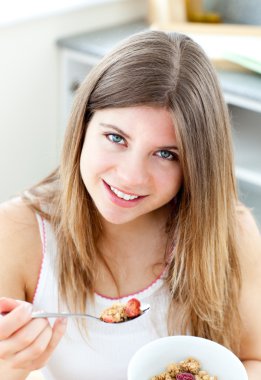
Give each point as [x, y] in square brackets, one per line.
[196, 13]
[208, 17]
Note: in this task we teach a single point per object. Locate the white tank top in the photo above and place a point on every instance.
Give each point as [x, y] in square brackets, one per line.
[106, 352]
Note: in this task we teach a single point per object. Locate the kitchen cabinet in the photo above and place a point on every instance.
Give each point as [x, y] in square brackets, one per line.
[247, 144]
[78, 54]
[242, 91]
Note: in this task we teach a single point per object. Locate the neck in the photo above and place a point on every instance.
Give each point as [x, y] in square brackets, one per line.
[128, 239]
[133, 254]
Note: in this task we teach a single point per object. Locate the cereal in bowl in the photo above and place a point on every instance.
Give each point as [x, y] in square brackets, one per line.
[188, 369]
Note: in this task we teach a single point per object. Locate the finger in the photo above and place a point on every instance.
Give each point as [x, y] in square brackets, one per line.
[14, 320]
[31, 353]
[25, 359]
[23, 337]
[59, 329]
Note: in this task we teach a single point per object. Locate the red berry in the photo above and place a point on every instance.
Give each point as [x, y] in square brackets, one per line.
[132, 308]
[107, 319]
[185, 376]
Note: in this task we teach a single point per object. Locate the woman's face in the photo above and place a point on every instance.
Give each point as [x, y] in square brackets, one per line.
[130, 162]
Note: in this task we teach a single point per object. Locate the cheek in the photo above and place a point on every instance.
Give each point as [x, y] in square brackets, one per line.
[170, 181]
[83, 167]
[86, 163]
[93, 163]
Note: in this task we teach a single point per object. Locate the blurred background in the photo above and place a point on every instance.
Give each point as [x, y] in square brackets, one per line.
[47, 47]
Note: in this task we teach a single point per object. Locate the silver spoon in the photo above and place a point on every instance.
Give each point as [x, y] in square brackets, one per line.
[42, 314]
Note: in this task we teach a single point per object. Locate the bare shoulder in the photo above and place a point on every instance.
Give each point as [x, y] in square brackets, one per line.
[249, 248]
[20, 249]
[246, 219]
[14, 213]
[249, 237]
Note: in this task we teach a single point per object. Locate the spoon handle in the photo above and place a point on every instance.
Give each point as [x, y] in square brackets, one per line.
[42, 314]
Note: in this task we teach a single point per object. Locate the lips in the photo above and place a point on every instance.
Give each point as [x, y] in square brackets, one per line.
[122, 195]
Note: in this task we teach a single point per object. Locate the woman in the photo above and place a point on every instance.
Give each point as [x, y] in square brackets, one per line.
[143, 204]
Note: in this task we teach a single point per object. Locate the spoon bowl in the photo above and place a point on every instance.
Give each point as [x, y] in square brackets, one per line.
[42, 314]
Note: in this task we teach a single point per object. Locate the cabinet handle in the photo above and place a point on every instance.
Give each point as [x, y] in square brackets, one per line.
[74, 86]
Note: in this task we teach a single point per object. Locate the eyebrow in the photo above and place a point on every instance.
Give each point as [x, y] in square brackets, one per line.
[168, 147]
[122, 133]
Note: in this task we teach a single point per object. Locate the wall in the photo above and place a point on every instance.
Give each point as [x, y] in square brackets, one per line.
[29, 104]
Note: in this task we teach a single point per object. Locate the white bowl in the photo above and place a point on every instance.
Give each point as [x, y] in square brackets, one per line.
[154, 357]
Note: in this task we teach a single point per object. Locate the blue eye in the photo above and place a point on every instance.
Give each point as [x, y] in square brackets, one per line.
[167, 155]
[117, 139]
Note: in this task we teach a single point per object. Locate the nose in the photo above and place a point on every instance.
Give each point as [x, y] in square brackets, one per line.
[133, 172]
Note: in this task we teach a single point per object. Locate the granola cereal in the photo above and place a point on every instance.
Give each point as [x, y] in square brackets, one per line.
[188, 369]
[119, 312]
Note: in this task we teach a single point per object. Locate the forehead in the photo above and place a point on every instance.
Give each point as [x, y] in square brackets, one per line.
[142, 120]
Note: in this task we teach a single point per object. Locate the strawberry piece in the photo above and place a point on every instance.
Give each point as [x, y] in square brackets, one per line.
[132, 308]
[185, 376]
[108, 318]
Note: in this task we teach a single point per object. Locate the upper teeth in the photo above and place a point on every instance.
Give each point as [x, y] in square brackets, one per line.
[120, 194]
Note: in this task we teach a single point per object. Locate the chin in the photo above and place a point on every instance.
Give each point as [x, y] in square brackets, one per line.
[116, 219]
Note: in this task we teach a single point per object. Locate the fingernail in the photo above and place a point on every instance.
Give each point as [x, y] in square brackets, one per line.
[63, 321]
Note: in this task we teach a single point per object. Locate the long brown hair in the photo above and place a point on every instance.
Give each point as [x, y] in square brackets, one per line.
[172, 71]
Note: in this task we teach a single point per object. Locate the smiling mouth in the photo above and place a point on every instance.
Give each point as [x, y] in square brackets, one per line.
[120, 194]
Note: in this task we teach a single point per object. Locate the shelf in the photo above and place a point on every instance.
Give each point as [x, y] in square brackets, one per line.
[243, 102]
[99, 42]
[242, 89]
[249, 176]
[208, 28]
[247, 144]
